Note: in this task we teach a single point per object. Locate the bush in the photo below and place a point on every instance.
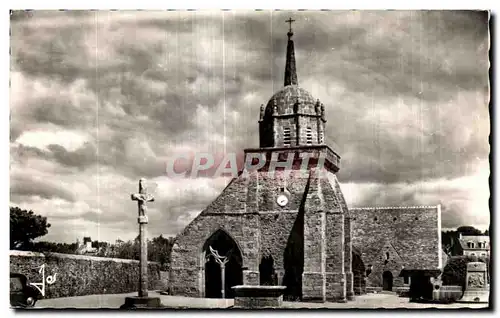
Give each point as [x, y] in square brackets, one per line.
[455, 271]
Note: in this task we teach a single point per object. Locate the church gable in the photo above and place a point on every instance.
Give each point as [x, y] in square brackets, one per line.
[413, 232]
[389, 255]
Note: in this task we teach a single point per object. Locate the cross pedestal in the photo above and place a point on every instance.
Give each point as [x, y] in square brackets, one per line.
[142, 300]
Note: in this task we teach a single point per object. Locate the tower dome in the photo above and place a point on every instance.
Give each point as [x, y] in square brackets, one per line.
[286, 99]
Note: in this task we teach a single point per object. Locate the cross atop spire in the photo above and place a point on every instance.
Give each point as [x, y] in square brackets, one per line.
[290, 21]
[290, 71]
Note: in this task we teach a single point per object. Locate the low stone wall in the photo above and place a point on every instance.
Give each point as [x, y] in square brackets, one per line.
[447, 294]
[79, 275]
[372, 289]
[402, 291]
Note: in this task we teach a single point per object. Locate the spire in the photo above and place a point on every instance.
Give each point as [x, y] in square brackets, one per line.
[290, 71]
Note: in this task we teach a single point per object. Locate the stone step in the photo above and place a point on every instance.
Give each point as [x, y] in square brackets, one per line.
[388, 292]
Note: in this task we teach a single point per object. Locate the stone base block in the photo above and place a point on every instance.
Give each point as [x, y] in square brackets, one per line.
[336, 287]
[141, 302]
[475, 296]
[185, 282]
[349, 286]
[252, 297]
[313, 287]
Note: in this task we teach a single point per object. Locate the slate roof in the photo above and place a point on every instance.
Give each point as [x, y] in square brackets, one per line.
[476, 239]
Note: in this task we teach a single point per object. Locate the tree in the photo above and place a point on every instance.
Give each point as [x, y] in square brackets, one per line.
[450, 243]
[25, 226]
[469, 230]
[159, 250]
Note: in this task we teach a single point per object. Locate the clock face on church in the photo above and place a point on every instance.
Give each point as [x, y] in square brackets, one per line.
[282, 200]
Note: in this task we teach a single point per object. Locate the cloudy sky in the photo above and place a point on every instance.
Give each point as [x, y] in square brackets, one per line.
[100, 99]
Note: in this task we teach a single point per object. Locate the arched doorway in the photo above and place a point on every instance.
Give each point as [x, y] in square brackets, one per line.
[387, 280]
[225, 246]
[358, 271]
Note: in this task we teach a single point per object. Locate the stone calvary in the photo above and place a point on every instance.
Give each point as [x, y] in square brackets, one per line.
[294, 229]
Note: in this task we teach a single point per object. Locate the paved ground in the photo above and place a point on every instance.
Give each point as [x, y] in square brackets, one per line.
[369, 301]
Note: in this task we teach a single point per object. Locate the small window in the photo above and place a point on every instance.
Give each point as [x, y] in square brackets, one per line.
[395, 219]
[309, 136]
[470, 244]
[321, 138]
[286, 136]
[483, 254]
[472, 254]
[416, 218]
[375, 219]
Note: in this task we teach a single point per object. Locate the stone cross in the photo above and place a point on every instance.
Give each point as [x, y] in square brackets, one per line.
[142, 198]
[290, 21]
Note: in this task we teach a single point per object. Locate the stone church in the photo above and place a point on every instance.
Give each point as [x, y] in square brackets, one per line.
[295, 229]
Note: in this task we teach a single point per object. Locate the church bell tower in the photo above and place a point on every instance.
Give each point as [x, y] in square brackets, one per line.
[293, 124]
[293, 120]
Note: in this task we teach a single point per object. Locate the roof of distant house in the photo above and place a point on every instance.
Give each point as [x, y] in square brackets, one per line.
[476, 239]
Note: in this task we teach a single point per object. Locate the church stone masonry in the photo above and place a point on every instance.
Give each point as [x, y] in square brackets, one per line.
[295, 229]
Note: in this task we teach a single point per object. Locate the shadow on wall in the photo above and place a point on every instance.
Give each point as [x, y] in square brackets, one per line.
[293, 258]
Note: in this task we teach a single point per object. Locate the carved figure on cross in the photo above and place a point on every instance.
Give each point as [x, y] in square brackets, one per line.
[142, 197]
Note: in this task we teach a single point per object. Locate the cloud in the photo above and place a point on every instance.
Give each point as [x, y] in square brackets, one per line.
[100, 99]
[464, 200]
[23, 185]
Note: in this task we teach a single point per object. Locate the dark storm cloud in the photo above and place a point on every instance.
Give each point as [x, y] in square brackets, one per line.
[58, 110]
[82, 157]
[21, 186]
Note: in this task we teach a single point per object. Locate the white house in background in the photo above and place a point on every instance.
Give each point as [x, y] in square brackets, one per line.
[86, 247]
[475, 245]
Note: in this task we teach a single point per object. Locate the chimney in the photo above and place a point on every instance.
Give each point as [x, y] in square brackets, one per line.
[89, 244]
[459, 236]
